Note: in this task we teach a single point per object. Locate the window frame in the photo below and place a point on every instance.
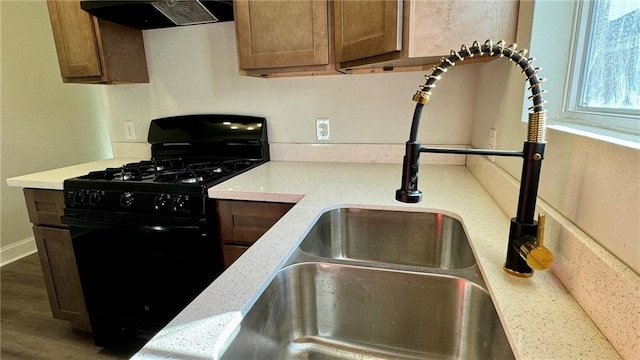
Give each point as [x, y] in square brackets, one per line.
[623, 124]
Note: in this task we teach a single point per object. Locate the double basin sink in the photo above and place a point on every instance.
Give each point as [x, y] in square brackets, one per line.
[375, 284]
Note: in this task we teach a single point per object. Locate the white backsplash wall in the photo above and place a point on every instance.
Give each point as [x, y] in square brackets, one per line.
[194, 70]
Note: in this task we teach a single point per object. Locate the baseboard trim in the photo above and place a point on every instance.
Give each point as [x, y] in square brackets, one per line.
[17, 250]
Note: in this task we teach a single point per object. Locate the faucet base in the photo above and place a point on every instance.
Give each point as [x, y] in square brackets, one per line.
[518, 274]
[519, 234]
[409, 196]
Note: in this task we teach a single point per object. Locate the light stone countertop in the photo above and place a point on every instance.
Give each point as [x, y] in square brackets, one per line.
[54, 179]
[541, 319]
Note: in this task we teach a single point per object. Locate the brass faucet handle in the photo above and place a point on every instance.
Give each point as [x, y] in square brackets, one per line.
[537, 256]
[540, 233]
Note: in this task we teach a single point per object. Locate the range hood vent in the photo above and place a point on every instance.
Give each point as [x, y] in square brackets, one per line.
[154, 14]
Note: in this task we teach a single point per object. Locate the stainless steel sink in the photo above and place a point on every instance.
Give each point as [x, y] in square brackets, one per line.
[375, 284]
[329, 311]
[391, 237]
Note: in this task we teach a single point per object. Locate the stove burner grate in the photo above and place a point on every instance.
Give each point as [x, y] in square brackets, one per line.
[173, 170]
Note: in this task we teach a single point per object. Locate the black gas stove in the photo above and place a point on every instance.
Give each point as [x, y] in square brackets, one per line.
[189, 154]
[145, 234]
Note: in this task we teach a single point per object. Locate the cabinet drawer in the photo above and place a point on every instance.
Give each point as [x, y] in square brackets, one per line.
[45, 206]
[243, 222]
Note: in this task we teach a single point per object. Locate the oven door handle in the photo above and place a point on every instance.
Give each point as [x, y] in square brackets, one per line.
[95, 224]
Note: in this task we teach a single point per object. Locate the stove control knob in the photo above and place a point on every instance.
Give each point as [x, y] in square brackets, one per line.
[96, 197]
[80, 197]
[162, 201]
[126, 199]
[178, 203]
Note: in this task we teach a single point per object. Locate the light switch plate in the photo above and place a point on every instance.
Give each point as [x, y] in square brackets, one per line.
[129, 130]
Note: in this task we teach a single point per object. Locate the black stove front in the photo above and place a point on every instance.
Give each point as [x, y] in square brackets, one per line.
[145, 234]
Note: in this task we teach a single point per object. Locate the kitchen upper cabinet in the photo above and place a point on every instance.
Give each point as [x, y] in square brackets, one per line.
[57, 258]
[409, 34]
[283, 37]
[95, 51]
[367, 28]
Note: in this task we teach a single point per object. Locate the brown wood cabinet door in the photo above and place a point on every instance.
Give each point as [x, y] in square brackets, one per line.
[75, 40]
[365, 28]
[282, 33]
[61, 276]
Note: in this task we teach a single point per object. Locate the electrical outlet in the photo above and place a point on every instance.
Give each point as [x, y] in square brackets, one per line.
[322, 129]
[493, 135]
[129, 130]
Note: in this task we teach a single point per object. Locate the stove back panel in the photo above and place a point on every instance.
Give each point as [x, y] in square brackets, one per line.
[209, 136]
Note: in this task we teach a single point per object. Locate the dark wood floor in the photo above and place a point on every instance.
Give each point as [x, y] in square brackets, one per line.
[27, 329]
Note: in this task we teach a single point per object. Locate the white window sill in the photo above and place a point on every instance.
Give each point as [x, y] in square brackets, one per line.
[630, 141]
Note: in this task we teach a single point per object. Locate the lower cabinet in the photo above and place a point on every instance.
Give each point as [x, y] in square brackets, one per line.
[242, 223]
[57, 258]
[61, 276]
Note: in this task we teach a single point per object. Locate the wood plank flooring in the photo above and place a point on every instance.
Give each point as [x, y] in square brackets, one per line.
[27, 328]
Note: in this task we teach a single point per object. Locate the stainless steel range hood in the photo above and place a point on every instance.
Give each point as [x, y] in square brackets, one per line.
[153, 14]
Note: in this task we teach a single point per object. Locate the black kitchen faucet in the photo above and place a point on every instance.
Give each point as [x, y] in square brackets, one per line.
[525, 251]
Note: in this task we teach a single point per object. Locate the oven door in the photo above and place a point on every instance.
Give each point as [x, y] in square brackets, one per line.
[137, 276]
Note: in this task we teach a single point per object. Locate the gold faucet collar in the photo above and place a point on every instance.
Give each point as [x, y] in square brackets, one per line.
[536, 130]
[421, 97]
